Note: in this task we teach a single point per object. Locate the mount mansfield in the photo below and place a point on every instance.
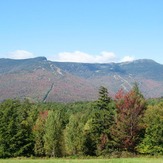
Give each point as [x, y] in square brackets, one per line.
[39, 79]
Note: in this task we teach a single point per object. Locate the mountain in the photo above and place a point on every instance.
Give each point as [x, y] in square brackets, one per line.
[41, 80]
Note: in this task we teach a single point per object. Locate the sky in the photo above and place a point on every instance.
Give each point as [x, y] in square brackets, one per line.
[92, 31]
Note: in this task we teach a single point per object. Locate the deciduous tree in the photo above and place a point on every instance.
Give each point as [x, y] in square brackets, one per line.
[53, 138]
[153, 139]
[39, 132]
[127, 129]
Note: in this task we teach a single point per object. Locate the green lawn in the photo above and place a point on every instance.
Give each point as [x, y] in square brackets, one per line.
[121, 160]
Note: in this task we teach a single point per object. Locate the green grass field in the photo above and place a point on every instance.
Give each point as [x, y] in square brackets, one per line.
[121, 160]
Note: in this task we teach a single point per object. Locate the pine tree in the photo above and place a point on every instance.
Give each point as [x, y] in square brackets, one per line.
[103, 99]
[102, 122]
[16, 137]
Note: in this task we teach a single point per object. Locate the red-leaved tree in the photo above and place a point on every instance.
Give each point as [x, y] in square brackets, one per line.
[127, 129]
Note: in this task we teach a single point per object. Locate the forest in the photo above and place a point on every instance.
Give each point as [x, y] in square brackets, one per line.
[127, 124]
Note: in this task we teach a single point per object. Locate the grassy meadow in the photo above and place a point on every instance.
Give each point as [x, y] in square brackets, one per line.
[119, 160]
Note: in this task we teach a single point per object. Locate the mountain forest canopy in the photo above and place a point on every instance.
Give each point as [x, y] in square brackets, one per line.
[108, 126]
[41, 80]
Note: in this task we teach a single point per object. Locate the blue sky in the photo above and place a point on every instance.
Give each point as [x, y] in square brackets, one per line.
[82, 30]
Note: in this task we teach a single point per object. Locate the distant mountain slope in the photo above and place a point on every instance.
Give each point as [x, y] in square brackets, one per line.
[42, 80]
[88, 70]
[144, 68]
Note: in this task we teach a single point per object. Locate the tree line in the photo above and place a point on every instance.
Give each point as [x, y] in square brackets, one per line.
[107, 127]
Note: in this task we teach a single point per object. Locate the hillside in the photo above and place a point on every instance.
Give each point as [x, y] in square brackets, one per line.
[42, 80]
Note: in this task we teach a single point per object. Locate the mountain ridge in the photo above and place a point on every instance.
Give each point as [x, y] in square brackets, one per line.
[43, 80]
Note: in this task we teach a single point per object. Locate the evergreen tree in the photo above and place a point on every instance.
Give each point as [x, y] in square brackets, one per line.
[25, 138]
[8, 127]
[16, 137]
[101, 122]
[103, 99]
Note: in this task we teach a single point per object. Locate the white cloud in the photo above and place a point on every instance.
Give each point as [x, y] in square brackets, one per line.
[127, 59]
[78, 56]
[20, 54]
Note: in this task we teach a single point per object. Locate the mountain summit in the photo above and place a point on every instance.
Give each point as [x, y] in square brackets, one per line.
[42, 80]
